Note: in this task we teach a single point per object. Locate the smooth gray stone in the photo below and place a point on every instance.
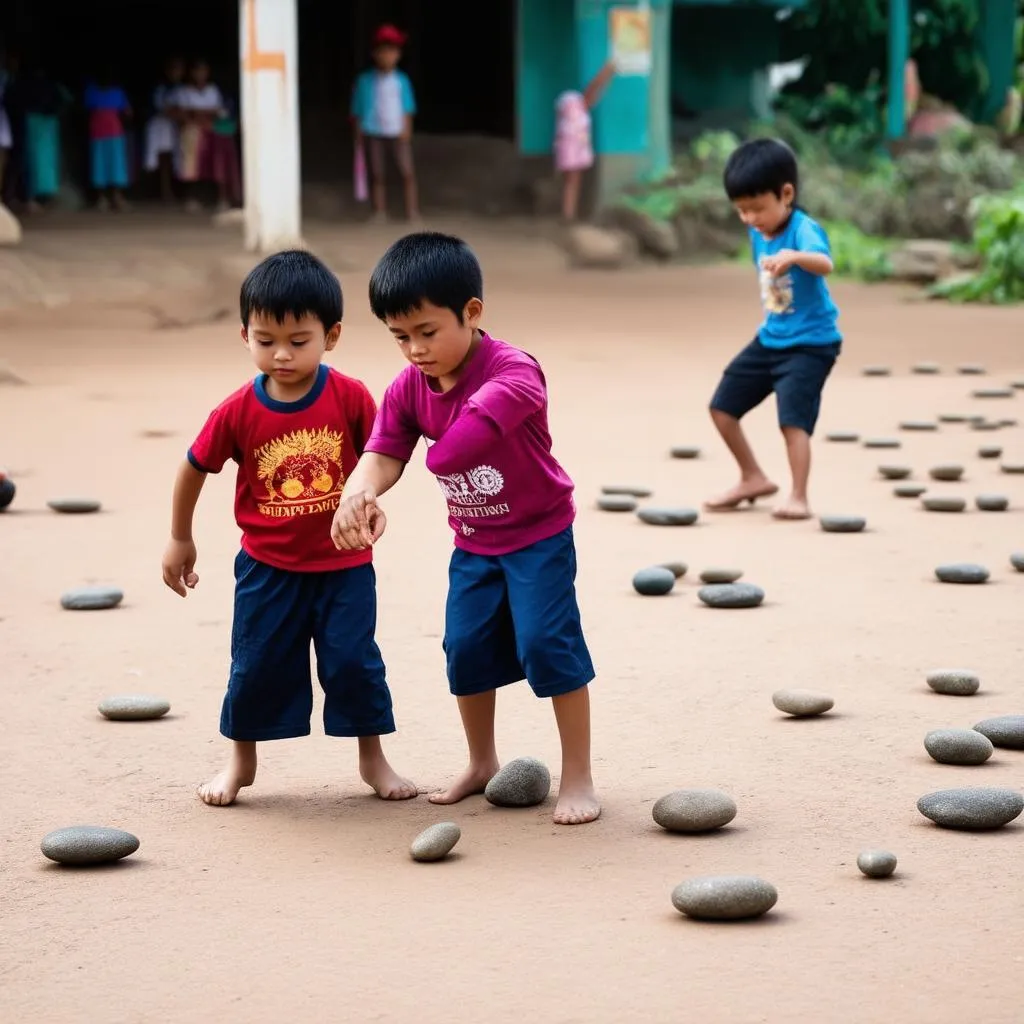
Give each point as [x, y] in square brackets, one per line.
[668, 516]
[685, 451]
[616, 503]
[992, 393]
[802, 703]
[876, 371]
[86, 599]
[88, 844]
[694, 810]
[629, 492]
[1009, 423]
[882, 442]
[947, 472]
[953, 417]
[654, 581]
[876, 863]
[919, 425]
[717, 575]
[909, 490]
[958, 746]
[731, 595]
[678, 569]
[953, 682]
[983, 807]
[843, 524]
[1017, 384]
[1005, 731]
[962, 572]
[724, 897]
[894, 472]
[1017, 560]
[134, 707]
[944, 503]
[926, 368]
[1012, 467]
[524, 782]
[74, 506]
[842, 436]
[986, 425]
[971, 370]
[436, 842]
[992, 502]
[989, 451]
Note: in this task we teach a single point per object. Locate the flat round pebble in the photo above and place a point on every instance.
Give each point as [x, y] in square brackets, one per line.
[992, 502]
[947, 471]
[909, 490]
[1009, 423]
[134, 707]
[717, 575]
[926, 368]
[694, 810]
[992, 393]
[962, 572]
[436, 842]
[876, 371]
[88, 844]
[973, 808]
[86, 599]
[1018, 384]
[524, 782]
[655, 581]
[1017, 560]
[668, 516]
[74, 506]
[7, 491]
[802, 703]
[1014, 468]
[616, 503]
[876, 863]
[986, 425]
[882, 442]
[685, 451]
[731, 595]
[953, 417]
[989, 451]
[953, 682]
[843, 524]
[724, 897]
[629, 492]
[919, 425]
[944, 503]
[894, 472]
[971, 370]
[1005, 731]
[958, 746]
[842, 436]
[678, 569]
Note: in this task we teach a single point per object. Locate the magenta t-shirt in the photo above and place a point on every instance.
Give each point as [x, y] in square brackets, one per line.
[489, 447]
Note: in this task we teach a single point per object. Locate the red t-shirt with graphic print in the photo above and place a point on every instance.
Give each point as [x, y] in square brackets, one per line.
[293, 459]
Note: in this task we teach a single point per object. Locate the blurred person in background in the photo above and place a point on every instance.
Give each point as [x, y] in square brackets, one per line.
[109, 112]
[44, 102]
[161, 144]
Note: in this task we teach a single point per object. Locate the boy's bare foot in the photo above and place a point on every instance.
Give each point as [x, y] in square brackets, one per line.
[577, 804]
[745, 490]
[793, 508]
[222, 789]
[472, 781]
[385, 781]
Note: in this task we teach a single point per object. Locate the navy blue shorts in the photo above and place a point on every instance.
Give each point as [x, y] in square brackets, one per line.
[515, 616]
[797, 376]
[278, 614]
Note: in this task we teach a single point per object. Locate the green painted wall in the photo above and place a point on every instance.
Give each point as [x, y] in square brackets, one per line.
[546, 65]
[996, 40]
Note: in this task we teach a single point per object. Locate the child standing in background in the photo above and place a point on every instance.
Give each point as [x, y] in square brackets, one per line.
[574, 148]
[108, 109]
[383, 107]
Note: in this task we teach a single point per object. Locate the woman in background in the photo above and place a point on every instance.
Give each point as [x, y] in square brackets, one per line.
[109, 111]
[44, 100]
[162, 151]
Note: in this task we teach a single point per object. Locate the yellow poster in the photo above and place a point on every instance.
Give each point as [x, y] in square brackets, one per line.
[629, 29]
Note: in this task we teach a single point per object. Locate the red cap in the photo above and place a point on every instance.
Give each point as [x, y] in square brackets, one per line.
[388, 35]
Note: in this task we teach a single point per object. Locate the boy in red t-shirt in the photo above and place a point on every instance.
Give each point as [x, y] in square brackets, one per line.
[296, 432]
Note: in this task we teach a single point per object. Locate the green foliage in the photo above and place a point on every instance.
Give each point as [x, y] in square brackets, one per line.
[857, 255]
[849, 124]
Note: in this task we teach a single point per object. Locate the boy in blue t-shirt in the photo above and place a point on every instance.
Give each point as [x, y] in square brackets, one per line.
[798, 341]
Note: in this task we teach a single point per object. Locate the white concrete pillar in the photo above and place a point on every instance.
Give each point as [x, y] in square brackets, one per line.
[268, 31]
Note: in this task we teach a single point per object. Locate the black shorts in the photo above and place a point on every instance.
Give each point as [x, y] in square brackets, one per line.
[797, 375]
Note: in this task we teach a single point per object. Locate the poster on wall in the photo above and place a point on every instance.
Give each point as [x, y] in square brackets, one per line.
[629, 29]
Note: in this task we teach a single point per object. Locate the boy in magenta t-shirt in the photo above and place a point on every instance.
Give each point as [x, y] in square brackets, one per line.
[482, 406]
[295, 432]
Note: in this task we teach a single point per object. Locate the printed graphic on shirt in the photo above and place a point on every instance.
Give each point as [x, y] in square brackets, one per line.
[471, 495]
[302, 472]
[776, 292]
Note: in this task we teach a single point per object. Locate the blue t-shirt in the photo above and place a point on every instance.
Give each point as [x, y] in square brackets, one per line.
[798, 306]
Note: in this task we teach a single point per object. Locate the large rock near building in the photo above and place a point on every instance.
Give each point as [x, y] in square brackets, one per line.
[10, 227]
[593, 248]
[922, 261]
[655, 238]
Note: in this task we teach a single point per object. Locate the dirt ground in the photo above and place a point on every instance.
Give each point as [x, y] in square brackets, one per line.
[301, 902]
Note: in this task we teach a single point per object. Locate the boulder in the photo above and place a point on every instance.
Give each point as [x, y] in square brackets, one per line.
[593, 248]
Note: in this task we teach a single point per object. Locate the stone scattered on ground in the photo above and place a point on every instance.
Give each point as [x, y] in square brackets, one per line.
[1009, 423]
[74, 506]
[8, 376]
[7, 491]
[944, 503]
[1006, 731]
[668, 516]
[983, 807]
[616, 503]
[922, 261]
[685, 451]
[694, 810]
[843, 524]
[946, 472]
[909, 490]
[654, 581]
[894, 472]
[985, 425]
[919, 426]
[992, 393]
[134, 707]
[1014, 468]
[436, 842]
[654, 237]
[958, 746]
[876, 863]
[926, 368]
[882, 442]
[989, 451]
[87, 599]
[953, 417]
[962, 572]
[678, 569]
[718, 575]
[88, 844]
[623, 490]
[954, 682]
[992, 502]
[593, 248]
[971, 370]
[1018, 384]
[724, 897]
[10, 226]
[524, 782]
[1017, 560]
[877, 371]
[842, 436]
[802, 703]
[731, 595]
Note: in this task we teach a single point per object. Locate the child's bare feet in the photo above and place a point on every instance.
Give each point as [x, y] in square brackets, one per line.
[222, 789]
[577, 802]
[472, 781]
[745, 490]
[792, 508]
[386, 782]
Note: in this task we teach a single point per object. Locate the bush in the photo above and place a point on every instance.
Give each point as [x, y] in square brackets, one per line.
[857, 255]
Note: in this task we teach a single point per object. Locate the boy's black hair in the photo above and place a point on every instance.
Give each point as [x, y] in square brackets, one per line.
[425, 267]
[759, 166]
[295, 282]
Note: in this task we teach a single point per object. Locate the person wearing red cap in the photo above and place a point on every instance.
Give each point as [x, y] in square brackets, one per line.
[383, 108]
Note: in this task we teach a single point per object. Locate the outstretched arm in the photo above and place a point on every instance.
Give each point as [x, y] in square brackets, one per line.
[593, 91]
